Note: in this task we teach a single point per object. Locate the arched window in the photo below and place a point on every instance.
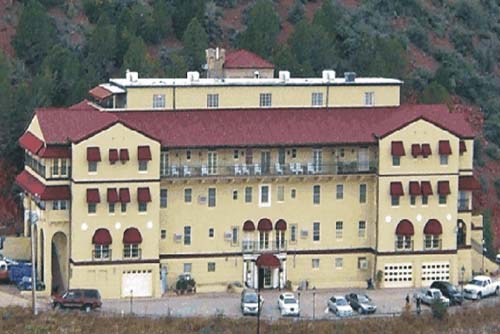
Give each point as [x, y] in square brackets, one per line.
[404, 235]
[432, 234]
[102, 241]
[461, 233]
[131, 240]
[280, 228]
[265, 227]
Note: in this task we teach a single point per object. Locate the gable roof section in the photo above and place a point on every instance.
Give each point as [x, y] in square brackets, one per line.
[244, 127]
[245, 59]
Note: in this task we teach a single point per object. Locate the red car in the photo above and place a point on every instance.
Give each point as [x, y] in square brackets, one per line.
[84, 299]
[4, 272]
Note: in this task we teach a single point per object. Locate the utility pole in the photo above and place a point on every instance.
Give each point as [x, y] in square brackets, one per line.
[314, 302]
[33, 219]
[258, 308]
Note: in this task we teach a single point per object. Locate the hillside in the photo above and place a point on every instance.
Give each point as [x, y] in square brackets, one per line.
[447, 51]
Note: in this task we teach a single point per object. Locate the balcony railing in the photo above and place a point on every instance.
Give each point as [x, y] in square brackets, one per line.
[251, 246]
[101, 255]
[404, 246]
[295, 168]
[434, 244]
[132, 254]
[463, 204]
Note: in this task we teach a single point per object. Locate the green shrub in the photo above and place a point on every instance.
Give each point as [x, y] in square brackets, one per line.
[493, 152]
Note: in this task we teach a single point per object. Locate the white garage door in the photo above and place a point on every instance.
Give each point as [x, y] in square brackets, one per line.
[398, 275]
[137, 283]
[435, 271]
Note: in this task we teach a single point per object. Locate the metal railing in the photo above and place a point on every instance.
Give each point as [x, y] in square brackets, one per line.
[132, 254]
[274, 169]
[252, 246]
[463, 204]
[404, 246]
[101, 255]
[434, 244]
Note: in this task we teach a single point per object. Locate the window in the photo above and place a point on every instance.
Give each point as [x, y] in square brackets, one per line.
[315, 263]
[362, 229]
[211, 232]
[188, 194]
[236, 154]
[339, 263]
[362, 263]
[235, 195]
[340, 191]
[188, 155]
[425, 199]
[432, 241]
[164, 164]
[413, 200]
[395, 200]
[211, 267]
[163, 198]
[131, 251]
[396, 160]
[188, 267]
[234, 234]
[111, 207]
[442, 199]
[143, 165]
[369, 99]
[212, 193]
[64, 167]
[143, 207]
[187, 235]
[163, 234]
[59, 205]
[159, 101]
[339, 227]
[265, 100]
[92, 208]
[362, 193]
[124, 207]
[265, 196]
[248, 194]
[317, 99]
[316, 194]
[316, 232]
[293, 233]
[55, 167]
[294, 153]
[212, 162]
[212, 100]
[403, 242]
[293, 193]
[102, 252]
[281, 193]
[92, 166]
[443, 160]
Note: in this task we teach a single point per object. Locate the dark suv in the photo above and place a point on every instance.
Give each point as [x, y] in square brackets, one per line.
[449, 291]
[85, 299]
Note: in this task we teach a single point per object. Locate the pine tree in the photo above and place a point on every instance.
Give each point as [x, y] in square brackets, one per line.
[195, 42]
[101, 51]
[184, 12]
[136, 59]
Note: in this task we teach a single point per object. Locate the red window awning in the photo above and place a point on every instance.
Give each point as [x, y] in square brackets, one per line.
[397, 148]
[415, 188]
[444, 188]
[415, 150]
[100, 93]
[93, 196]
[397, 189]
[30, 142]
[248, 226]
[93, 154]
[433, 227]
[426, 150]
[280, 225]
[112, 195]
[143, 195]
[405, 228]
[124, 195]
[113, 155]
[55, 152]
[124, 155]
[444, 147]
[265, 224]
[267, 261]
[143, 153]
[463, 147]
[468, 183]
[132, 236]
[426, 188]
[32, 185]
[102, 237]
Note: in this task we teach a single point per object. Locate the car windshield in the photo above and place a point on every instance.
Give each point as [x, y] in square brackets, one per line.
[341, 302]
[476, 282]
[250, 298]
[364, 299]
[290, 301]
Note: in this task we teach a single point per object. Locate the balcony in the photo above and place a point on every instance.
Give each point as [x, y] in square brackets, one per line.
[463, 204]
[251, 246]
[290, 169]
[404, 246]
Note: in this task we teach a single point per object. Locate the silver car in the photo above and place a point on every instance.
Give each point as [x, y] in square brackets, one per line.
[249, 304]
[339, 306]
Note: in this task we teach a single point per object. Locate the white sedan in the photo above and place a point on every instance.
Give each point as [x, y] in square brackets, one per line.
[339, 306]
[288, 304]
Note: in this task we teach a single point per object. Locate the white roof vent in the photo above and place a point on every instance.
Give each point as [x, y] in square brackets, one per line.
[193, 76]
[328, 75]
[132, 76]
[284, 75]
[350, 76]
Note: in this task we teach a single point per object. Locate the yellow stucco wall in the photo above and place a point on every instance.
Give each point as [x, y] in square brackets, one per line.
[248, 73]
[35, 129]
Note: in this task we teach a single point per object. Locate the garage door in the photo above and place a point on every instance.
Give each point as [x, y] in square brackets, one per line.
[398, 275]
[435, 271]
[137, 283]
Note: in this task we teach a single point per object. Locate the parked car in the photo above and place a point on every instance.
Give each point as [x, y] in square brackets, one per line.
[497, 259]
[25, 284]
[480, 287]
[449, 291]
[249, 304]
[85, 299]
[288, 304]
[339, 306]
[4, 272]
[361, 303]
[431, 296]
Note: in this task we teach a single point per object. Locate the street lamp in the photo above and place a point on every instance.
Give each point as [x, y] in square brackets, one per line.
[33, 219]
[258, 308]
[314, 302]
[484, 251]
[463, 274]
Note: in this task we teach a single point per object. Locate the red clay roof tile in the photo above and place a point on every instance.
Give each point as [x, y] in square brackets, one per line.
[245, 59]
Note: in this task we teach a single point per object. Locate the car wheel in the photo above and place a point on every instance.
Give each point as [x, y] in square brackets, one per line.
[87, 308]
[497, 291]
[479, 296]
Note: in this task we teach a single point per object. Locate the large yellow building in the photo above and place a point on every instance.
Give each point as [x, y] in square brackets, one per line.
[254, 180]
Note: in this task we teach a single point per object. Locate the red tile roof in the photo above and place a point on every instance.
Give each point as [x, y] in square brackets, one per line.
[100, 93]
[245, 59]
[244, 127]
[30, 142]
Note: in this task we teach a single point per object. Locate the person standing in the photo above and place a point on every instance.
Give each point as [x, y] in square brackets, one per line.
[418, 302]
